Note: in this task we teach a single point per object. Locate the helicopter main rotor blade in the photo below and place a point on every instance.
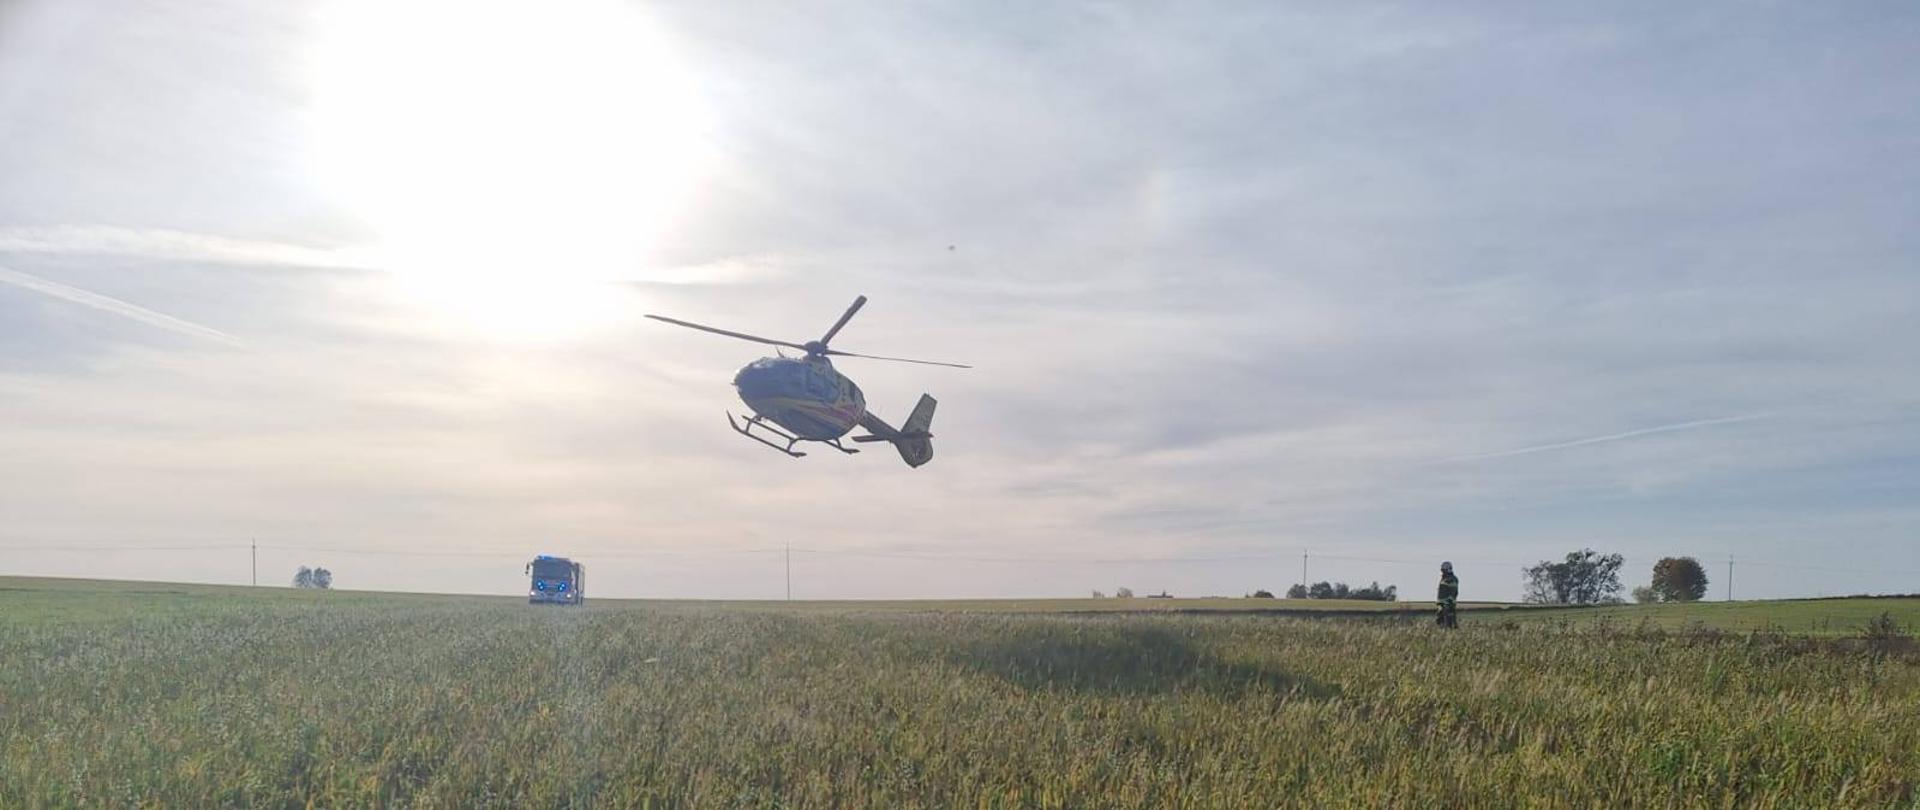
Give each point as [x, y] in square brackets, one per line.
[717, 331]
[838, 353]
[858, 302]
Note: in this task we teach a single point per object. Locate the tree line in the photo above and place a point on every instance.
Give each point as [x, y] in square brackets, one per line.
[1587, 577]
[313, 578]
[1340, 590]
[1584, 577]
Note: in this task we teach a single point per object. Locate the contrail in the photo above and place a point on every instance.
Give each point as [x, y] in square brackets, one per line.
[186, 246]
[158, 243]
[1612, 437]
[113, 305]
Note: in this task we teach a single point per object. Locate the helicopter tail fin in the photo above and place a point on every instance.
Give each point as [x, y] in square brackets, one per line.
[913, 439]
[916, 439]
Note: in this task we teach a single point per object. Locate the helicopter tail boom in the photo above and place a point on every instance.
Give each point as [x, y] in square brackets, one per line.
[914, 439]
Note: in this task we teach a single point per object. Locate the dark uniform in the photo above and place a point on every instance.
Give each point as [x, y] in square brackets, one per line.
[1448, 598]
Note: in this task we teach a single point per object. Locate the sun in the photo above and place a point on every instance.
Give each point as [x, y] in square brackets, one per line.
[512, 158]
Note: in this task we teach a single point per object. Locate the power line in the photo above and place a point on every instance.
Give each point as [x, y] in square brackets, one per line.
[224, 547]
[1831, 569]
[787, 551]
[516, 553]
[897, 555]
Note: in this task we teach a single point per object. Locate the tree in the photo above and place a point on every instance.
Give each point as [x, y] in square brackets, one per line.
[314, 578]
[1123, 593]
[1679, 579]
[1586, 577]
[1099, 595]
[1646, 595]
[1375, 593]
[1331, 590]
[1263, 593]
[1298, 591]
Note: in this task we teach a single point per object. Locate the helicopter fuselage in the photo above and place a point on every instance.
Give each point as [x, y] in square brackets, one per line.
[805, 400]
[806, 396]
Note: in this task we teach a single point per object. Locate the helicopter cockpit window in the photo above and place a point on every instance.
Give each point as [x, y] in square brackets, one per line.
[820, 385]
[780, 370]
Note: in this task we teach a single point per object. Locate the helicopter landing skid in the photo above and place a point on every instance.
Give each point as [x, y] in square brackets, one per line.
[760, 422]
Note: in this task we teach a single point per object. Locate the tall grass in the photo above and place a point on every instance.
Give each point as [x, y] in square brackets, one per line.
[449, 703]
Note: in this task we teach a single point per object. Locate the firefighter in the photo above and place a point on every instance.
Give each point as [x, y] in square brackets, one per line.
[1448, 597]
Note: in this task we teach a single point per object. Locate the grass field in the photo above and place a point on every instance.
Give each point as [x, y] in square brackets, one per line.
[1825, 618]
[134, 693]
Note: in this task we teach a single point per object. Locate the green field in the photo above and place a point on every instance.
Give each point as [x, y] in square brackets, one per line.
[123, 694]
[1823, 618]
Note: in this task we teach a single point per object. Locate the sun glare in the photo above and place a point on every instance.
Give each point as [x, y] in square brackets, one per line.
[512, 158]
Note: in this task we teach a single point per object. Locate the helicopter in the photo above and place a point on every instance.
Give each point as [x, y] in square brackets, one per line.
[806, 400]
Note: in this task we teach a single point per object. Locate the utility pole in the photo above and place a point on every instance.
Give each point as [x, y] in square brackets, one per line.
[789, 570]
[1729, 576]
[254, 543]
[1303, 568]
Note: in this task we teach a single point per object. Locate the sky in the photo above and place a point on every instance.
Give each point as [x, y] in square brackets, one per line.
[1247, 286]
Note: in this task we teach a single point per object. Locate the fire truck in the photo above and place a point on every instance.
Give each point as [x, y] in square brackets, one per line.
[556, 581]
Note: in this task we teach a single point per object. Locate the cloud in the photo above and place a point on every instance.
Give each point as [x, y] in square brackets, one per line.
[165, 244]
[114, 305]
[173, 245]
[1235, 278]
